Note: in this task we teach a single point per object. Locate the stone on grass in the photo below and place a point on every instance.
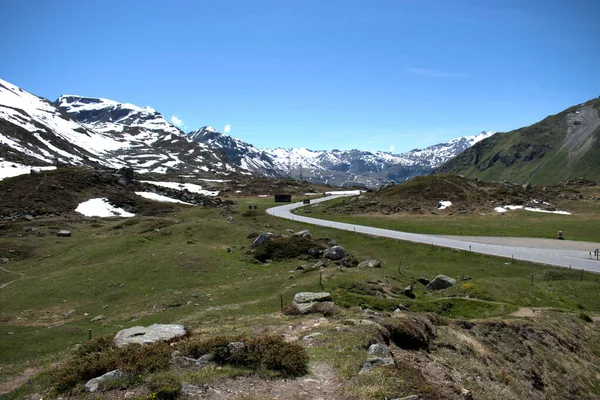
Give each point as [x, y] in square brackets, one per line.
[424, 281]
[97, 318]
[4, 260]
[63, 233]
[370, 264]
[304, 233]
[441, 282]
[373, 362]
[335, 253]
[378, 349]
[261, 240]
[235, 347]
[408, 292]
[151, 334]
[93, 384]
[305, 301]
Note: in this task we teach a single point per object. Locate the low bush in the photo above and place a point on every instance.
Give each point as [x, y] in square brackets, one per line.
[285, 248]
[258, 353]
[100, 356]
[290, 309]
[165, 385]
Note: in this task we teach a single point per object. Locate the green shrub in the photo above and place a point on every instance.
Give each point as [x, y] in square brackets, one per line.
[258, 353]
[100, 356]
[166, 385]
[285, 248]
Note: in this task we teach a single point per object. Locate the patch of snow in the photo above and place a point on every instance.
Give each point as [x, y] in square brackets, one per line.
[10, 169]
[193, 188]
[100, 207]
[444, 205]
[161, 198]
[503, 209]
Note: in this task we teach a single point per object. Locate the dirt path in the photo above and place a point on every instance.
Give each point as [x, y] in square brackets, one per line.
[321, 383]
[9, 272]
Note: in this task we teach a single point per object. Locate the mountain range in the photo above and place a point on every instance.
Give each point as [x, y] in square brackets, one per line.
[79, 130]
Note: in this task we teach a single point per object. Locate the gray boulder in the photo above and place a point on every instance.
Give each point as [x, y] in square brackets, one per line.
[151, 334]
[441, 282]
[373, 362]
[305, 301]
[4, 260]
[261, 240]
[309, 297]
[335, 253]
[63, 233]
[379, 350]
[370, 264]
[304, 233]
[93, 384]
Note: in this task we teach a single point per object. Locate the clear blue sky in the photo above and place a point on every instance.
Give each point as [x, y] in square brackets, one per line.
[320, 74]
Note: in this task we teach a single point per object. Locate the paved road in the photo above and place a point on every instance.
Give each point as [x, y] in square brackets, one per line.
[558, 253]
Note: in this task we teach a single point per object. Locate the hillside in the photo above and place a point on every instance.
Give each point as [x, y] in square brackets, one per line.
[560, 147]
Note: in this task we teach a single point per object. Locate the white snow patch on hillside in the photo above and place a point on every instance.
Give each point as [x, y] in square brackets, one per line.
[444, 204]
[503, 209]
[10, 169]
[161, 198]
[100, 207]
[344, 192]
[193, 188]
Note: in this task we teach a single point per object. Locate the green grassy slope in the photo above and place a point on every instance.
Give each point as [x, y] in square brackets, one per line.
[535, 153]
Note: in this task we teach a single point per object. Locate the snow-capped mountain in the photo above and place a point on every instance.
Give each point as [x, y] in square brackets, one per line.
[237, 152]
[78, 130]
[366, 167]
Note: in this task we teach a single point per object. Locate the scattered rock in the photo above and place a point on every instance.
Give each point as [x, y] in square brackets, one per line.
[373, 362]
[151, 334]
[182, 362]
[190, 391]
[28, 217]
[441, 282]
[93, 384]
[408, 292]
[261, 240]
[370, 264]
[235, 347]
[335, 253]
[63, 233]
[379, 350]
[4, 260]
[313, 335]
[424, 281]
[305, 233]
[98, 318]
[205, 360]
[466, 394]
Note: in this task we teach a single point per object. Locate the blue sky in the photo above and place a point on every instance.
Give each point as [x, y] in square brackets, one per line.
[373, 75]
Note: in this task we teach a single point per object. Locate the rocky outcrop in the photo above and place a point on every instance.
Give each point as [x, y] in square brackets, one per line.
[151, 334]
[441, 282]
[335, 253]
[306, 301]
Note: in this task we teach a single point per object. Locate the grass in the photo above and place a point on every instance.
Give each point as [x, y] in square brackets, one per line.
[581, 227]
[191, 267]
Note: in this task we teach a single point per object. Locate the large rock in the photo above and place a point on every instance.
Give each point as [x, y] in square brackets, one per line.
[373, 362]
[379, 350]
[309, 297]
[305, 301]
[93, 384]
[441, 282]
[151, 334]
[335, 253]
[64, 233]
[304, 233]
[370, 264]
[261, 240]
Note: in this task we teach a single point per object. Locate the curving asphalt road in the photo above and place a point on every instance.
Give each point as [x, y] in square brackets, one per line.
[558, 253]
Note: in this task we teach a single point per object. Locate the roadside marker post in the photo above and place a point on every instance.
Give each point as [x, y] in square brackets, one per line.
[89, 334]
[581, 279]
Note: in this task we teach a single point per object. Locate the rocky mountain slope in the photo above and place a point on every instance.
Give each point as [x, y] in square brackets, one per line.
[78, 130]
[238, 152]
[560, 147]
[364, 167]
